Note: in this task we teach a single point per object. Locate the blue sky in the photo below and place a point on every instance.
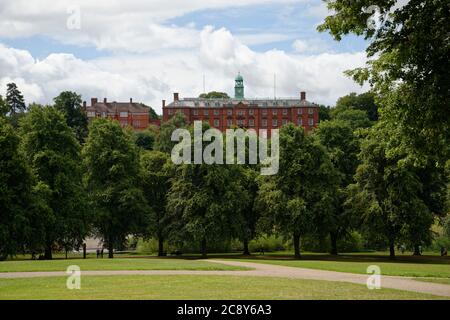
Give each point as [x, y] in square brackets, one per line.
[149, 49]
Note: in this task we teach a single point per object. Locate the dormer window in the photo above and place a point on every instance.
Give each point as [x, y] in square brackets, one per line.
[124, 114]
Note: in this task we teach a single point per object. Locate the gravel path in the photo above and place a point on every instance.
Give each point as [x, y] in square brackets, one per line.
[264, 270]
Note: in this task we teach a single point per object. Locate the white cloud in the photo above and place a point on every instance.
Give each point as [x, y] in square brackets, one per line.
[132, 26]
[149, 78]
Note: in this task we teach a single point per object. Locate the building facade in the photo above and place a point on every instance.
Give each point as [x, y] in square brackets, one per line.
[246, 113]
[135, 115]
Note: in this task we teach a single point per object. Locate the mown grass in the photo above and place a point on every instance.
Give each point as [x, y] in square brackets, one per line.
[435, 280]
[112, 264]
[194, 287]
[421, 268]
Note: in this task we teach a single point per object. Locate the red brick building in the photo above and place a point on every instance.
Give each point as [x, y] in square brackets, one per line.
[247, 113]
[130, 113]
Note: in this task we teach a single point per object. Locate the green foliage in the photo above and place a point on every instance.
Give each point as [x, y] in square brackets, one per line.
[204, 202]
[156, 172]
[53, 153]
[152, 114]
[267, 243]
[364, 101]
[214, 95]
[409, 59]
[16, 199]
[111, 162]
[164, 142]
[302, 190]
[14, 99]
[342, 147]
[151, 246]
[324, 113]
[146, 139]
[395, 198]
[69, 103]
[354, 118]
[3, 107]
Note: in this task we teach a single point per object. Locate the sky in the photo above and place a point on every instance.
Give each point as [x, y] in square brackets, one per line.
[148, 49]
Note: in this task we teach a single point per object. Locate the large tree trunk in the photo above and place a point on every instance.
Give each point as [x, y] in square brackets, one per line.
[391, 250]
[67, 250]
[84, 250]
[333, 240]
[417, 250]
[110, 249]
[296, 240]
[246, 250]
[48, 252]
[160, 246]
[203, 247]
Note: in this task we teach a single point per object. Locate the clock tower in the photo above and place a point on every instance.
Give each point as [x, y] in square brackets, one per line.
[239, 87]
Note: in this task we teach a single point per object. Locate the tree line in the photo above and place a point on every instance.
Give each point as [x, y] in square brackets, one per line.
[64, 180]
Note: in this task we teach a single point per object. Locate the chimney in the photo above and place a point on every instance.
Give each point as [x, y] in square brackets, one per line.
[131, 100]
[93, 101]
[84, 104]
[163, 103]
[104, 100]
[303, 95]
[176, 96]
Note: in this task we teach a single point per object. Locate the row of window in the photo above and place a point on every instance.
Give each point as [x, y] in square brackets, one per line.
[265, 104]
[243, 112]
[92, 114]
[251, 122]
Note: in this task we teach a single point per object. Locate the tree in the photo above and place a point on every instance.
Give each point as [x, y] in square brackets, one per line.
[111, 162]
[249, 209]
[343, 147]
[16, 184]
[364, 101]
[355, 118]
[156, 174]
[203, 199]
[69, 103]
[146, 139]
[409, 59]
[203, 202]
[164, 142]
[14, 99]
[3, 107]
[394, 197]
[53, 153]
[214, 95]
[324, 113]
[152, 114]
[302, 190]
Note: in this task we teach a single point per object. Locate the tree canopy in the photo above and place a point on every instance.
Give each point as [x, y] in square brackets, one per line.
[409, 59]
[111, 162]
[53, 153]
[69, 103]
[214, 95]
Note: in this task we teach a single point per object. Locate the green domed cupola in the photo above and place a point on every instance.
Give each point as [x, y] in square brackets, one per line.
[239, 87]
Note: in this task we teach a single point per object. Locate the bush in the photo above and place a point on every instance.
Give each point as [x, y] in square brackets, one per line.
[267, 243]
[438, 243]
[151, 246]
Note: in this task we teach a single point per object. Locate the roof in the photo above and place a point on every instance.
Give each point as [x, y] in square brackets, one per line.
[113, 107]
[227, 103]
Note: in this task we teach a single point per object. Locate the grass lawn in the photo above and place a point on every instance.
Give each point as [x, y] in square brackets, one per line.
[193, 287]
[435, 280]
[113, 264]
[397, 268]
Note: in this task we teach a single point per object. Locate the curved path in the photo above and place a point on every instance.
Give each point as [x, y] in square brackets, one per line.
[265, 270]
